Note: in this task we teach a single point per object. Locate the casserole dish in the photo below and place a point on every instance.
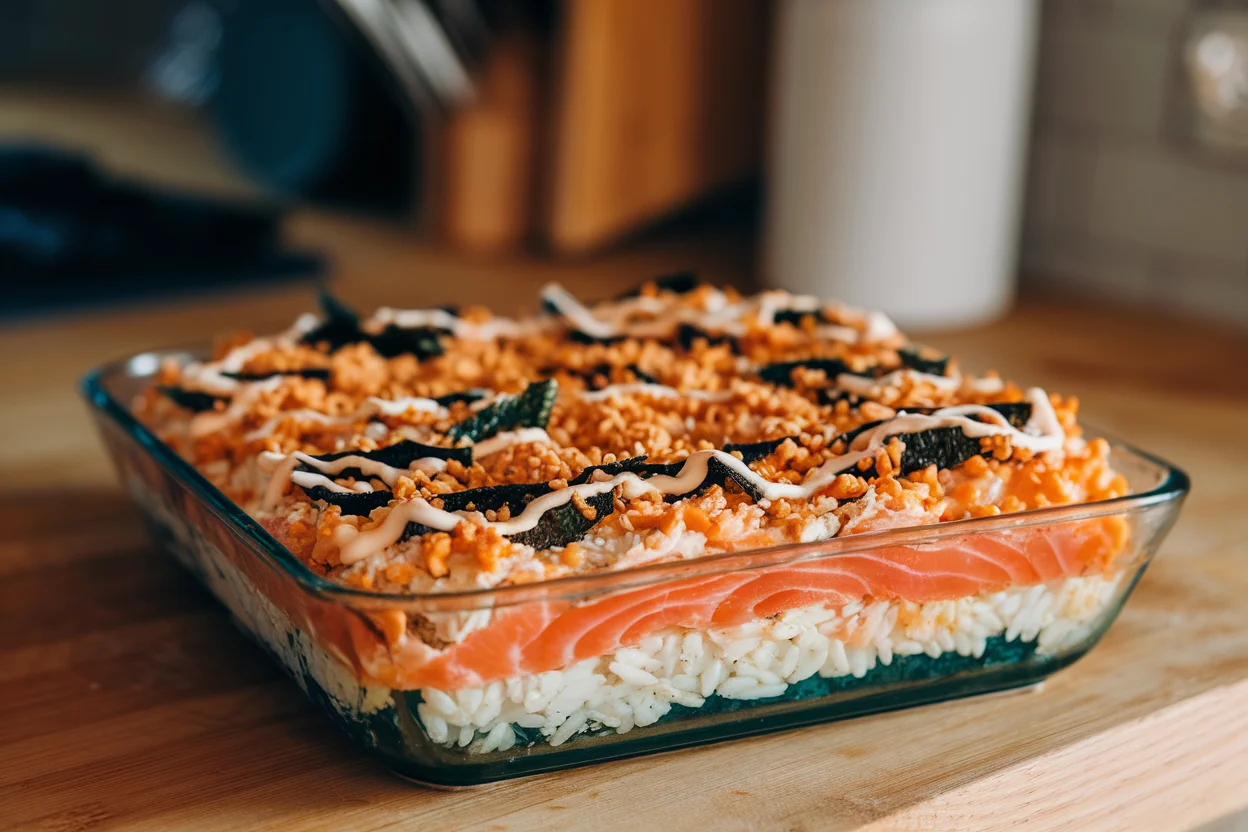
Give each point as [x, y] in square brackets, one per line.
[780, 661]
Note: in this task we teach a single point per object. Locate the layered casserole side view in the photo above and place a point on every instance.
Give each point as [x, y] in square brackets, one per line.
[641, 514]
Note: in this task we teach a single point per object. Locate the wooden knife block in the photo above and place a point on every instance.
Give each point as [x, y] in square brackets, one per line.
[625, 112]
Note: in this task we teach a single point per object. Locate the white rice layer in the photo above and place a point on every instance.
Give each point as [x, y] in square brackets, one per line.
[636, 686]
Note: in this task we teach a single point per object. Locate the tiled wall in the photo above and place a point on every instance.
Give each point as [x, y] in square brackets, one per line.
[1115, 206]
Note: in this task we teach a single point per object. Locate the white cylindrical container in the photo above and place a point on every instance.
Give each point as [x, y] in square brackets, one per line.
[897, 146]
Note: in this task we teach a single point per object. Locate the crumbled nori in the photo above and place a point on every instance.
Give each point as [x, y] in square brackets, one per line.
[565, 524]
[679, 283]
[911, 359]
[359, 504]
[307, 372]
[634, 463]
[781, 372]
[754, 451]
[192, 400]
[530, 409]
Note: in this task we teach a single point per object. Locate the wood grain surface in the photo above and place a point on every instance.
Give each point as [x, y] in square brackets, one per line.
[127, 701]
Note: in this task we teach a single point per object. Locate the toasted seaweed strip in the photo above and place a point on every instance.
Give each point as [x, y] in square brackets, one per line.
[634, 463]
[307, 372]
[795, 316]
[192, 400]
[340, 327]
[782, 371]
[421, 341]
[359, 504]
[490, 498]
[589, 376]
[911, 359]
[1018, 414]
[530, 409]
[754, 451]
[688, 334]
[943, 447]
[578, 337]
[473, 394]
[717, 473]
[566, 524]
[402, 455]
[493, 497]
[680, 283]
[830, 396]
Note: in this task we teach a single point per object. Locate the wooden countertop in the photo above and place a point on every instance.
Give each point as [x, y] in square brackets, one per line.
[127, 701]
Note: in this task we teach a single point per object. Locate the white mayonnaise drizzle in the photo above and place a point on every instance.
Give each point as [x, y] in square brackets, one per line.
[866, 385]
[283, 467]
[209, 376]
[1043, 432]
[457, 326]
[211, 421]
[610, 320]
[616, 391]
[371, 406]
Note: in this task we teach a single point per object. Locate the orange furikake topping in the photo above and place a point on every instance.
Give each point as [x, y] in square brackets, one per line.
[700, 385]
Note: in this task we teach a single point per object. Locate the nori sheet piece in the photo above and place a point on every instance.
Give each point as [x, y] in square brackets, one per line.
[192, 400]
[635, 463]
[782, 371]
[472, 394]
[943, 447]
[399, 455]
[576, 336]
[1018, 414]
[679, 283]
[589, 376]
[307, 372]
[830, 396]
[795, 316]
[754, 451]
[342, 327]
[565, 524]
[530, 409]
[422, 342]
[911, 359]
[687, 334]
[356, 504]
[513, 495]
[717, 473]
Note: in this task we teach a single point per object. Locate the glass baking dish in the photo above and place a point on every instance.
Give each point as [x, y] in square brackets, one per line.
[346, 648]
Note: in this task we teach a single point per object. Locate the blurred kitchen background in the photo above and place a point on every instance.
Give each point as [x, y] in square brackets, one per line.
[930, 158]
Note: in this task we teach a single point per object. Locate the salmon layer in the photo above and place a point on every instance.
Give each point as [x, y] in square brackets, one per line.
[811, 651]
[537, 637]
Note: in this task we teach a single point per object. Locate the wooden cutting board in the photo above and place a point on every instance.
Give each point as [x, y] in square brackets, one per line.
[127, 701]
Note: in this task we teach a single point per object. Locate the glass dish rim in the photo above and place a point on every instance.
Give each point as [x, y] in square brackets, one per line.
[1174, 486]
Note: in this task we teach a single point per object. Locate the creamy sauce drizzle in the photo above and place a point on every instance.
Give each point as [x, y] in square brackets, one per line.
[1043, 432]
[611, 320]
[662, 391]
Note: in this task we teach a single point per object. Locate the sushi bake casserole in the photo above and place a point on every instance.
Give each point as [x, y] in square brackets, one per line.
[678, 515]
